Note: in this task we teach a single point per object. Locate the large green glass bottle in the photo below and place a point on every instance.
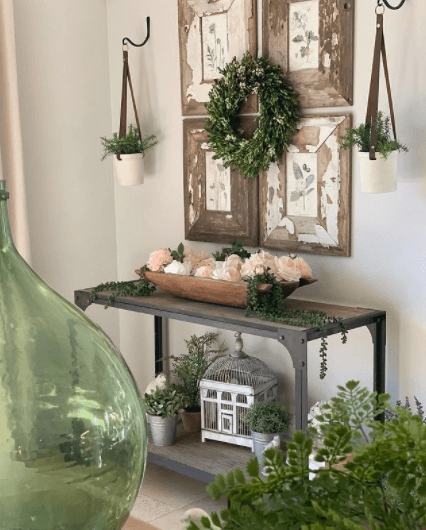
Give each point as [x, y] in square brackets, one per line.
[72, 430]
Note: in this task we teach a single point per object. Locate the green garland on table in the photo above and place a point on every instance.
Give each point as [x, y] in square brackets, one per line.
[272, 308]
[141, 287]
[278, 115]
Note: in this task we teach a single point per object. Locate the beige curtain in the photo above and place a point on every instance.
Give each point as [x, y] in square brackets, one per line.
[10, 131]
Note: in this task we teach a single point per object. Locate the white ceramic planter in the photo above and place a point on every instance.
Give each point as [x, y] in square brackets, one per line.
[378, 176]
[129, 170]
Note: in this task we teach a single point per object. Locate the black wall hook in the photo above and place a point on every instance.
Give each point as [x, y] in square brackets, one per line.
[126, 40]
[386, 3]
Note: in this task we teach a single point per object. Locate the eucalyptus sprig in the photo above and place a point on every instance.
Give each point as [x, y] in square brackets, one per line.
[272, 307]
[178, 254]
[140, 287]
[237, 249]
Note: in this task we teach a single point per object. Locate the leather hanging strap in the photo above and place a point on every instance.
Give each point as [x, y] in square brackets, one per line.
[373, 98]
[123, 113]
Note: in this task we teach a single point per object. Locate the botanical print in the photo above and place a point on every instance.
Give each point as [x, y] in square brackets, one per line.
[218, 184]
[303, 35]
[302, 195]
[215, 45]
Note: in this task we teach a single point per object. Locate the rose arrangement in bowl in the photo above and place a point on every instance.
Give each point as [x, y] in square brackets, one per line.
[233, 267]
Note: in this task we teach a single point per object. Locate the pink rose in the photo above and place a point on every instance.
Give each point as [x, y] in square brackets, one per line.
[195, 259]
[304, 268]
[286, 269]
[159, 259]
[204, 272]
[234, 261]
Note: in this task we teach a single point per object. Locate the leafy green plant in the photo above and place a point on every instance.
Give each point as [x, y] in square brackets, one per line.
[268, 418]
[360, 137]
[272, 307]
[140, 287]
[191, 366]
[237, 248]
[178, 254]
[165, 402]
[129, 144]
[353, 498]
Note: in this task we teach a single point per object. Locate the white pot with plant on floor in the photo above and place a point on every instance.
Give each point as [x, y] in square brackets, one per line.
[378, 175]
[129, 152]
[268, 421]
[162, 406]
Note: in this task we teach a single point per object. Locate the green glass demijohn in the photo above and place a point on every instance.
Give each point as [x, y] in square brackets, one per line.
[73, 436]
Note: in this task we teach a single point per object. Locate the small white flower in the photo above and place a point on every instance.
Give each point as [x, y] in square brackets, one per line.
[176, 267]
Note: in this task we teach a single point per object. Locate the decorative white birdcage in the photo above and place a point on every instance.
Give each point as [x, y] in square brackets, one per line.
[230, 386]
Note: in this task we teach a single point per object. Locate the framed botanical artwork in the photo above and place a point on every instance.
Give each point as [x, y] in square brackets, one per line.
[305, 201]
[220, 204]
[212, 33]
[313, 42]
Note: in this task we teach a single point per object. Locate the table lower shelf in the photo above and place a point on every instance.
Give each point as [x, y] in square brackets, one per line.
[193, 458]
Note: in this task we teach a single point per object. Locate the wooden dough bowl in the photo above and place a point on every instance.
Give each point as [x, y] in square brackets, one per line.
[214, 291]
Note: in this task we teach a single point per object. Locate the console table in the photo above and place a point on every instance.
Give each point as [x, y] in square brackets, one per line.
[294, 339]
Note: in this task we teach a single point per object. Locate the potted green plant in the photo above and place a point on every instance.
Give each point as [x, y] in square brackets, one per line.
[383, 487]
[190, 368]
[377, 176]
[131, 149]
[266, 420]
[162, 405]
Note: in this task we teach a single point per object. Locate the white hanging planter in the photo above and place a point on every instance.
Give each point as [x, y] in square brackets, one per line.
[129, 170]
[378, 176]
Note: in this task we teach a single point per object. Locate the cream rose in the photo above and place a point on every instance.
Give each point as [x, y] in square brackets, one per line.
[304, 268]
[286, 269]
[229, 274]
[204, 272]
[234, 261]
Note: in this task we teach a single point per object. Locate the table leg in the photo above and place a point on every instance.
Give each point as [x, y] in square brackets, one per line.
[158, 330]
[297, 346]
[378, 334]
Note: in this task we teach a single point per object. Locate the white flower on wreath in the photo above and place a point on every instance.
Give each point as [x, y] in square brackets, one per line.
[176, 267]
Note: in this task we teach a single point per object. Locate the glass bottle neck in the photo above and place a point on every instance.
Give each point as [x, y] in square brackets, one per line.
[6, 240]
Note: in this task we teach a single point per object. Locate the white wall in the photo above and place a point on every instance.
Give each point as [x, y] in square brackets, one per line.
[63, 75]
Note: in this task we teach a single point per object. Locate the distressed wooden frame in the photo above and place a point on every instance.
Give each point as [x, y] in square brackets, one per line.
[330, 84]
[241, 38]
[329, 231]
[241, 219]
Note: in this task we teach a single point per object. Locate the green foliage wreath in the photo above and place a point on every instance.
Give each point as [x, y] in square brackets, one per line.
[277, 119]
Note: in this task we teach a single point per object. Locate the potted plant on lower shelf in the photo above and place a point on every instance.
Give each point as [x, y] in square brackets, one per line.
[267, 421]
[190, 368]
[162, 406]
[131, 148]
[383, 487]
[377, 176]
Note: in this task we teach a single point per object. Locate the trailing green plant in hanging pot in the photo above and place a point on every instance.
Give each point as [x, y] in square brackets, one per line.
[129, 151]
[162, 406]
[190, 368]
[377, 176]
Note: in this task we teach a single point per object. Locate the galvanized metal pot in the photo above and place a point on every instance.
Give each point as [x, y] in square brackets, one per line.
[260, 441]
[163, 430]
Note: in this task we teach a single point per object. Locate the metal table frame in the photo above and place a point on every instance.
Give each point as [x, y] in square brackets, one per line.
[294, 339]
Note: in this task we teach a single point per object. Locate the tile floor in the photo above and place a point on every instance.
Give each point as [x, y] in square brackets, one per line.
[164, 498]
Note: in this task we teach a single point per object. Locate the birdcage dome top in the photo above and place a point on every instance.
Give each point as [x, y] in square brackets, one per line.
[239, 369]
